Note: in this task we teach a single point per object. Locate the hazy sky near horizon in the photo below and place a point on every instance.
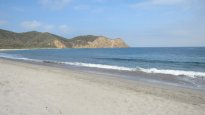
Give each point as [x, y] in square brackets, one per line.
[141, 23]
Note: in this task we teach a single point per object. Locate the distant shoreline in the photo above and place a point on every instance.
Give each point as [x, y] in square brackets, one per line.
[28, 49]
[101, 48]
[54, 48]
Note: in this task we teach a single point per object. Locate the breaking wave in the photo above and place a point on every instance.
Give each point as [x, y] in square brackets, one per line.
[191, 74]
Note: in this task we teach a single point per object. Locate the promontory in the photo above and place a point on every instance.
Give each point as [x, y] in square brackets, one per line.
[34, 39]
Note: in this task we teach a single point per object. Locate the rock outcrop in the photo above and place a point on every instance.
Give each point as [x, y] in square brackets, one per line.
[103, 42]
[59, 44]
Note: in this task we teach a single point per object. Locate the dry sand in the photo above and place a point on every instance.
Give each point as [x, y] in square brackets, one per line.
[30, 89]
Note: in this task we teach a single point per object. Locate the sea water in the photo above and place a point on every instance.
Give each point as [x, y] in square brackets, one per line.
[185, 62]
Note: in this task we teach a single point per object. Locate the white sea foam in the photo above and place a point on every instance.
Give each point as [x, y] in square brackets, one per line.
[192, 74]
[27, 59]
[100, 66]
[12, 56]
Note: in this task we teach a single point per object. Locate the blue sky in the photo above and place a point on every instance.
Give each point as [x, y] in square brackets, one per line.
[141, 23]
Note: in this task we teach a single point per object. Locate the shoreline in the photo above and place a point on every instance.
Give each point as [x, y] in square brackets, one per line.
[55, 48]
[139, 75]
[105, 76]
[88, 87]
[26, 49]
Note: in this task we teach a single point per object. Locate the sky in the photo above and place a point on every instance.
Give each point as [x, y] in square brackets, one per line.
[140, 23]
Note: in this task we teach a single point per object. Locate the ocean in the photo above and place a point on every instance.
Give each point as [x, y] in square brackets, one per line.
[179, 66]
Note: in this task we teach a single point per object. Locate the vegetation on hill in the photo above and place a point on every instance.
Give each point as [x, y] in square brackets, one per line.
[34, 39]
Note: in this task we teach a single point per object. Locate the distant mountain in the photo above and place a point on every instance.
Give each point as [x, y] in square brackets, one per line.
[34, 39]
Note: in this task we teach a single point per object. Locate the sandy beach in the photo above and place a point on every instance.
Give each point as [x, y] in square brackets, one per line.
[32, 89]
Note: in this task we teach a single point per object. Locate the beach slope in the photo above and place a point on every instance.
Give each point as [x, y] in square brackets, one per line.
[31, 89]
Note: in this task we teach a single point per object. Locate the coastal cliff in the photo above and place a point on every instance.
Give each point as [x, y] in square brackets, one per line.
[103, 42]
[34, 39]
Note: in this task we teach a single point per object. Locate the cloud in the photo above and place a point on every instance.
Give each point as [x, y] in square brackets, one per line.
[54, 4]
[64, 29]
[44, 27]
[3, 22]
[31, 25]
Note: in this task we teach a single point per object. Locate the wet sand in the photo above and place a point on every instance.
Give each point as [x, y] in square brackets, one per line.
[35, 89]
